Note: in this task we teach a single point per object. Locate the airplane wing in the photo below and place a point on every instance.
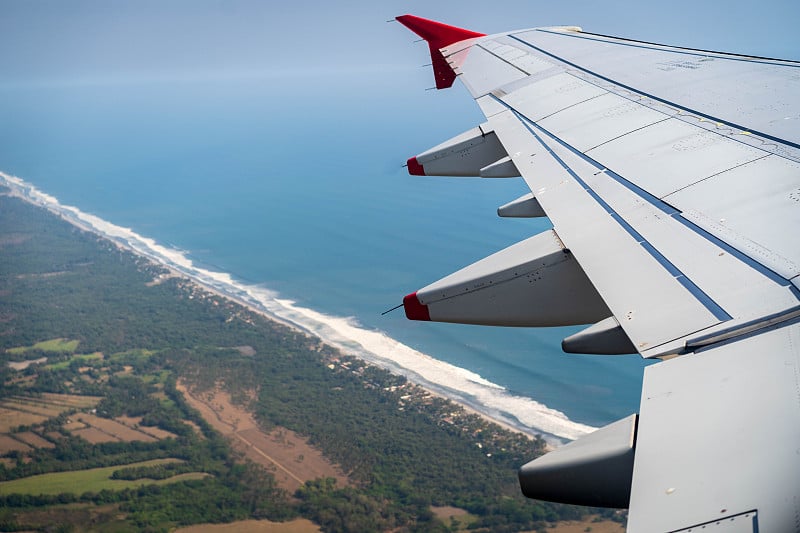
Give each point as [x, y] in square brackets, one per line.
[672, 180]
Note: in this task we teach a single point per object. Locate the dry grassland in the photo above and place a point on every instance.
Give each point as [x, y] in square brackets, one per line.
[254, 526]
[606, 526]
[287, 455]
[9, 444]
[29, 437]
[10, 418]
[135, 423]
[94, 435]
[112, 428]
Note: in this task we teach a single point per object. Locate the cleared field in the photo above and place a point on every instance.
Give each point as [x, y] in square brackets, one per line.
[31, 405]
[10, 418]
[93, 480]
[73, 401]
[134, 423]
[254, 526]
[94, 435]
[53, 345]
[22, 365]
[114, 428]
[296, 461]
[31, 410]
[81, 357]
[54, 435]
[34, 440]
[603, 526]
[458, 519]
[285, 454]
[8, 444]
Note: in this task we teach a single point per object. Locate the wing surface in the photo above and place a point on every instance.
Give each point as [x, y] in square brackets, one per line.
[672, 179]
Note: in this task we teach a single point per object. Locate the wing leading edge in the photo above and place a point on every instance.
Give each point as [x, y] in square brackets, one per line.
[673, 196]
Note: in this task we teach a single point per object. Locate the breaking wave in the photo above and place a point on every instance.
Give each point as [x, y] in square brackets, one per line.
[345, 333]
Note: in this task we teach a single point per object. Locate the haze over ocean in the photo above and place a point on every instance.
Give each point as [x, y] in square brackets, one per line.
[266, 143]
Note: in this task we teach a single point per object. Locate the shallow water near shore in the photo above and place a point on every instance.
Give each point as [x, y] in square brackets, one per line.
[295, 199]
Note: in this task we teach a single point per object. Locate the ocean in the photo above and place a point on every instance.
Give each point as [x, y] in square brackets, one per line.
[289, 193]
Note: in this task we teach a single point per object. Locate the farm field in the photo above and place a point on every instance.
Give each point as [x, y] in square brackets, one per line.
[254, 526]
[52, 345]
[92, 480]
[288, 456]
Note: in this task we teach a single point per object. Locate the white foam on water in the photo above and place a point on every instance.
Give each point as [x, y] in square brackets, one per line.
[345, 333]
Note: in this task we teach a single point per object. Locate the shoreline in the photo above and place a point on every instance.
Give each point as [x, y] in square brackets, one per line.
[224, 286]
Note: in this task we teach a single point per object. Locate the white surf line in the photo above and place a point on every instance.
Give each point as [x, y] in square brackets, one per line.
[455, 383]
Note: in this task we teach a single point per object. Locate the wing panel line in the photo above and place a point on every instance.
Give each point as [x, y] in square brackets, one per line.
[672, 49]
[704, 299]
[664, 207]
[657, 98]
[504, 60]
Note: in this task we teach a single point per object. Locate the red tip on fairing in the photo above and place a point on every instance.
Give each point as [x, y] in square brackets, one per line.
[414, 168]
[438, 35]
[415, 310]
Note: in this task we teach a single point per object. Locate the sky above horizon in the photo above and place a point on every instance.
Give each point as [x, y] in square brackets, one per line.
[96, 41]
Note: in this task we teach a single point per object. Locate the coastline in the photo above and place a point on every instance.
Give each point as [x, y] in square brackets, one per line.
[475, 395]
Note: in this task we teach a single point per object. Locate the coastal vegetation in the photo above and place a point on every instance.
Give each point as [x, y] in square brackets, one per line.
[134, 399]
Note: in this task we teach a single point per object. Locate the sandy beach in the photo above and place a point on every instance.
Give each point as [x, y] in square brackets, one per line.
[344, 334]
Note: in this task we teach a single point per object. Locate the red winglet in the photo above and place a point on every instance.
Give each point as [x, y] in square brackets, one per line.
[414, 168]
[415, 310]
[438, 36]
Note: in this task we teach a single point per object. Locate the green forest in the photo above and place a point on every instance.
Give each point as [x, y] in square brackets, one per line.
[101, 330]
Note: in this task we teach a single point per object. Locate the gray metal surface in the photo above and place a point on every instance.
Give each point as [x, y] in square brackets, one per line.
[758, 94]
[692, 153]
[534, 282]
[463, 155]
[489, 72]
[751, 204]
[593, 470]
[526, 206]
[741, 523]
[502, 168]
[719, 434]
[626, 274]
[547, 96]
[606, 338]
[597, 121]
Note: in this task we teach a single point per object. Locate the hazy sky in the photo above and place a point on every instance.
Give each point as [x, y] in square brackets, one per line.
[102, 41]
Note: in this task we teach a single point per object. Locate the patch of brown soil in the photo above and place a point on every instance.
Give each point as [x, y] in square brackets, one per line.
[22, 365]
[135, 423]
[11, 418]
[71, 400]
[254, 526]
[33, 406]
[94, 435]
[72, 425]
[195, 427]
[445, 513]
[34, 440]
[574, 526]
[9, 444]
[115, 429]
[287, 455]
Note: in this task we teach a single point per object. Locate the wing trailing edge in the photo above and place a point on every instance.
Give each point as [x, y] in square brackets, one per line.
[438, 35]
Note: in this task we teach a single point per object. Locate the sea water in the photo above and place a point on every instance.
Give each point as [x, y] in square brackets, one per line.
[291, 194]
